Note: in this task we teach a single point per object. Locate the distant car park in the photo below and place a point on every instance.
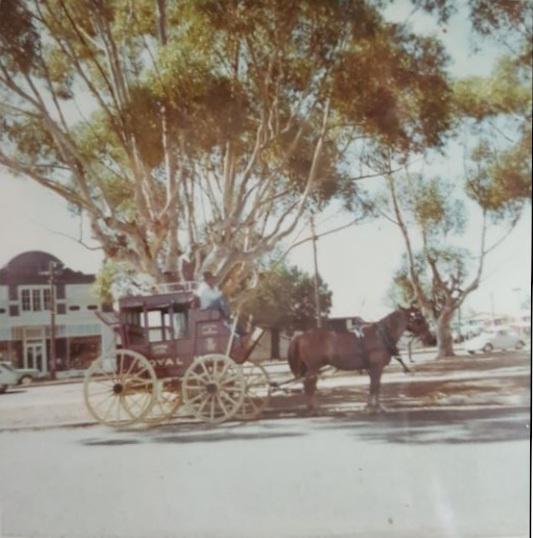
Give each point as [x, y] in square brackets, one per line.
[497, 339]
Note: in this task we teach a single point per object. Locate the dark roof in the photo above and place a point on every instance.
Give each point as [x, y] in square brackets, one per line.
[27, 268]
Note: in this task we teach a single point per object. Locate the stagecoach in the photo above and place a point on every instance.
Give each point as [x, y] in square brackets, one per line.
[170, 354]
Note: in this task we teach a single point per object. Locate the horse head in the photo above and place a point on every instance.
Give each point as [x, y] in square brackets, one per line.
[417, 324]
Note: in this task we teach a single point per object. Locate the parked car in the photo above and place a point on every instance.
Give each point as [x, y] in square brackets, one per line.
[488, 341]
[10, 376]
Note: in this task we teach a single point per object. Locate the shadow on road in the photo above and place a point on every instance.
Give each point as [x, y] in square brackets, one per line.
[439, 426]
[483, 407]
[407, 426]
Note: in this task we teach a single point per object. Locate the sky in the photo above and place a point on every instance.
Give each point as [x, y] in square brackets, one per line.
[357, 263]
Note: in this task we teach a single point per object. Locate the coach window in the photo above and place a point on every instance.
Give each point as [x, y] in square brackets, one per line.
[153, 322]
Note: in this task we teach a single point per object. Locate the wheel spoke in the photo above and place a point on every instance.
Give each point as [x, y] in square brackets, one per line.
[104, 400]
[203, 378]
[212, 409]
[196, 398]
[132, 363]
[108, 410]
[230, 379]
[119, 402]
[229, 398]
[133, 401]
[204, 403]
[205, 369]
[223, 407]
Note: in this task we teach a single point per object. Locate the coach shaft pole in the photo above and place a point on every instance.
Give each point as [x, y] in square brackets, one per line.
[316, 279]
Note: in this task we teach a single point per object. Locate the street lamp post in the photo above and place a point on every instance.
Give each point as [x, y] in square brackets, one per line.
[53, 271]
[52, 268]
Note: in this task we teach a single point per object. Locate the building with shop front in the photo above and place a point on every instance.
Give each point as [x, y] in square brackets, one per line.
[25, 317]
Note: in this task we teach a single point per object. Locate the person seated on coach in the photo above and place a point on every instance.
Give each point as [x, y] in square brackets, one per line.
[210, 296]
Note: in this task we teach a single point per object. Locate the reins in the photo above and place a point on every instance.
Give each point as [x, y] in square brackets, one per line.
[390, 345]
[279, 386]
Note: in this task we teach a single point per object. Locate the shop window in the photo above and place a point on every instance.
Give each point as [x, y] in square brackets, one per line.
[46, 298]
[36, 300]
[26, 300]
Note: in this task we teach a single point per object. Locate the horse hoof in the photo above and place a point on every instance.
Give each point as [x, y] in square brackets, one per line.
[375, 410]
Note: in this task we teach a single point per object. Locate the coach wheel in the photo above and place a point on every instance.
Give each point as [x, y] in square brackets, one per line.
[120, 388]
[213, 388]
[257, 393]
[166, 403]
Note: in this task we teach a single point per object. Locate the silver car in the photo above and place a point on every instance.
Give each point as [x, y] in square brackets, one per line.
[10, 376]
[490, 340]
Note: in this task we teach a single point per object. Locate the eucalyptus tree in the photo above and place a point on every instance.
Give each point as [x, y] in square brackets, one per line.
[431, 212]
[208, 127]
[436, 270]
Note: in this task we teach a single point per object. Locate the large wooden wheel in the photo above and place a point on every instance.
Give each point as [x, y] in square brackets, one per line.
[213, 388]
[257, 393]
[167, 401]
[124, 396]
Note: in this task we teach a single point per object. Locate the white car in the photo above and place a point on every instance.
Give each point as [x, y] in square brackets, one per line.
[10, 376]
[488, 341]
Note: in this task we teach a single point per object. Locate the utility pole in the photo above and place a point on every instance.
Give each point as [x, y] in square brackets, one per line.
[316, 281]
[51, 280]
[51, 274]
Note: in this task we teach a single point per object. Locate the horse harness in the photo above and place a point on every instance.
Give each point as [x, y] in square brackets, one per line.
[390, 345]
[387, 341]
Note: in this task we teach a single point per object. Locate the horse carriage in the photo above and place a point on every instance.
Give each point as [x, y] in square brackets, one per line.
[169, 353]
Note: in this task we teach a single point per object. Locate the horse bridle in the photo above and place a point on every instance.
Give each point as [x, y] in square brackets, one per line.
[414, 316]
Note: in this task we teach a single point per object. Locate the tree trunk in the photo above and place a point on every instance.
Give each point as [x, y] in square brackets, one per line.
[444, 335]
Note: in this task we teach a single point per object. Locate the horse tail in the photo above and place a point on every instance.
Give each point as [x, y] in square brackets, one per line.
[297, 365]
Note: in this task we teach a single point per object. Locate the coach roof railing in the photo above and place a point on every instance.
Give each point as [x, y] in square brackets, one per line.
[171, 287]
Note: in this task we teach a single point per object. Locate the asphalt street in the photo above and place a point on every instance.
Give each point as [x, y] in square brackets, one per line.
[450, 459]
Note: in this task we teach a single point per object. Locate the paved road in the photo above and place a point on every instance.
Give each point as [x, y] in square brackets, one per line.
[412, 475]
[450, 459]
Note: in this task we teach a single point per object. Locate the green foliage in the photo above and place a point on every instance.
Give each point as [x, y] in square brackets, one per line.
[501, 182]
[284, 299]
[506, 91]
[213, 119]
[105, 278]
[499, 173]
[434, 204]
[452, 269]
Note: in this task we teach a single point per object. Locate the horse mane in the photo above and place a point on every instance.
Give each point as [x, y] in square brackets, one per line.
[388, 319]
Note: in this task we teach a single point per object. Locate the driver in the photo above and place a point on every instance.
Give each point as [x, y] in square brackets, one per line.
[210, 296]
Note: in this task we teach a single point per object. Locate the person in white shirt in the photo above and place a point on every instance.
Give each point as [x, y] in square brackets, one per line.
[210, 296]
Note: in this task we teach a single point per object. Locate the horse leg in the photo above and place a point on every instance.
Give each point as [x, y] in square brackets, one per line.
[310, 382]
[373, 405]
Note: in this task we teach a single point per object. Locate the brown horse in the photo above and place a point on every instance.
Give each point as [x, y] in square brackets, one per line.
[310, 351]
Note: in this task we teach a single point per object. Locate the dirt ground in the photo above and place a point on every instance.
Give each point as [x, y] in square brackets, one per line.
[487, 393]
[458, 388]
